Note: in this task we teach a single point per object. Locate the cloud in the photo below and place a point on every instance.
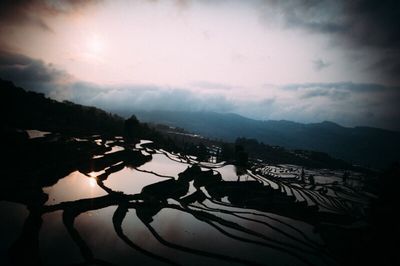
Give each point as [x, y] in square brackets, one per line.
[348, 86]
[361, 22]
[332, 93]
[30, 72]
[319, 64]
[36, 75]
[370, 26]
[346, 103]
[32, 12]
[267, 101]
[142, 97]
[374, 23]
[20, 67]
[211, 85]
[389, 67]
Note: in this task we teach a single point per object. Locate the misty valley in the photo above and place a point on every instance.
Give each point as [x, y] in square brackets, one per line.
[84, 187]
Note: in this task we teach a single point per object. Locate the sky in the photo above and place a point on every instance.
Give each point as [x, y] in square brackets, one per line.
[304, 60]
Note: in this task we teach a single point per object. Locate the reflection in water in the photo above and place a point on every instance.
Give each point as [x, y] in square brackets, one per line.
[115, 149]
[163, 165]
[141, 143]
[230, 172]
[55, 243]
[33, 134]
[102, 241]
[187, 231]
[172, 210]
[92, 181]
[11, 224]
[75, 186]
[130, 181]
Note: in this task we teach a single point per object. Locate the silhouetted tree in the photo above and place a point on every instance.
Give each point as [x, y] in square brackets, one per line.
[241, 156]
[311, 179]
[202, 153]
[132, 129]
[240, 170]
[227, 152]
[345, 176]
[302, 175]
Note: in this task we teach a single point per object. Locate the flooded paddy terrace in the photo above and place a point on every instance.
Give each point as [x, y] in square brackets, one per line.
[140, 204]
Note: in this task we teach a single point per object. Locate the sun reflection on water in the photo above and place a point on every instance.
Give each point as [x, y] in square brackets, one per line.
[75, 186]
[92, 181]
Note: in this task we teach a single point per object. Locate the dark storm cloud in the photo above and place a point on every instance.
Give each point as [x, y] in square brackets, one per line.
[34, 12]
[22, 13]
[344, 86]
[360, 22]
[314, 15]
[374, 23]
[369, 25]
[25, 69]
[388, 65]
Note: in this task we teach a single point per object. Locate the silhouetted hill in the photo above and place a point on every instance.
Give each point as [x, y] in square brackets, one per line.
[371, 147]
[30, 110]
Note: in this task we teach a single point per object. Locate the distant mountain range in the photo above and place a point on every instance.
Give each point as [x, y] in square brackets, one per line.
[367, 146]
[30, 110]
[372, 147]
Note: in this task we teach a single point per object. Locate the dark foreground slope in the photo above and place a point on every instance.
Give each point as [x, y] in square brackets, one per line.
[371, 147]
[29, 110]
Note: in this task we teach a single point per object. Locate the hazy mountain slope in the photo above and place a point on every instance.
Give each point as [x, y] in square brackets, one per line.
[361, 145]
[29, 110]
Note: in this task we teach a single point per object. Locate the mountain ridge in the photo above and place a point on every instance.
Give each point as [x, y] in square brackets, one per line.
[368, 146]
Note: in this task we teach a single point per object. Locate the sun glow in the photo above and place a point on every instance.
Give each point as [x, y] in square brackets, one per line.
[92, 181]
[95, 45]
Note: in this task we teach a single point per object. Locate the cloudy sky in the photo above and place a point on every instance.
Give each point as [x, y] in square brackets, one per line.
[303, 60]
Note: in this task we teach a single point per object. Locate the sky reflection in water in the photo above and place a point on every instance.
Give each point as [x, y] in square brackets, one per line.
[184, 230]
